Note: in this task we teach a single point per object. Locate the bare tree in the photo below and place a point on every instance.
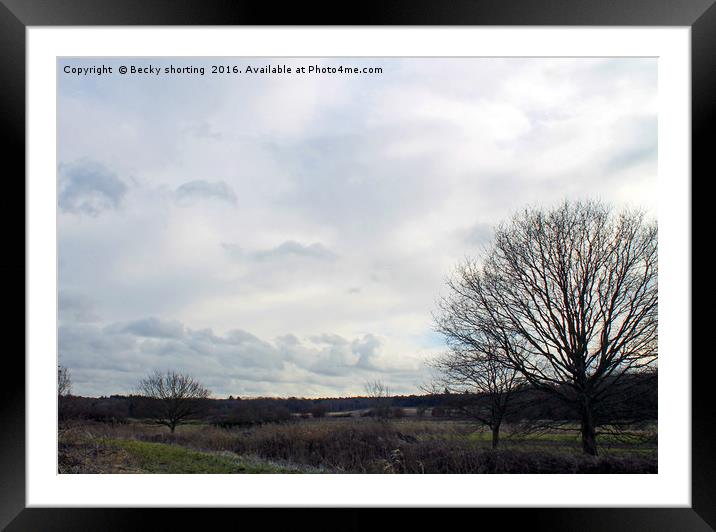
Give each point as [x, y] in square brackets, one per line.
[64, 381]
[176, 397]
[379, 393]
[577, 285]
[480, 382]
[64, 389]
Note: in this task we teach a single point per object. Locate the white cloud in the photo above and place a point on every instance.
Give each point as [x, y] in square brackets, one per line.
[320, 214]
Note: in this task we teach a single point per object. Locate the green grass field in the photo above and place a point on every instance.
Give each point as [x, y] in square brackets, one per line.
[166, 458]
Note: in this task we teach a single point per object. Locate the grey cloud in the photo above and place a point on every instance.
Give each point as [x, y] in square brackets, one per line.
[88, 187]
[636, 141]
[479, 234]
[203, 130]
[239, 337]
[288, 339]
[74, 307]
[329, 339]
[286, 250]
[122, 353]
[285, 267]
[334, 356]
[375, 195]
[340, 356]
[237, 352]
[366, 349]
[291, 248]
[83, 346]
[150, 328]
[233, 337]
[632, 157]
[192, 191]
[234, 251]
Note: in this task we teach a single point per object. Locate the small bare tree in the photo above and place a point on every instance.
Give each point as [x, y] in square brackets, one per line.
[64, 389]
[479, 381]
[64, 381]
[379, 393]
[175, 397]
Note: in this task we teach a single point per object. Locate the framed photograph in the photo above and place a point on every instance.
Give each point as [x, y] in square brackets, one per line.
[407, 258]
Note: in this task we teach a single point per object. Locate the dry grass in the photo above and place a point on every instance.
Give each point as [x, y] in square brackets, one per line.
[361, 445]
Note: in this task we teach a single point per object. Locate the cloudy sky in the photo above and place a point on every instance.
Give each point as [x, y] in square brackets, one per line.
[289, 234]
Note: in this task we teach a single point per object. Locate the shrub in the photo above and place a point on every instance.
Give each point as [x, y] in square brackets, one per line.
[438, 411]
[247, 413]
[318, 411]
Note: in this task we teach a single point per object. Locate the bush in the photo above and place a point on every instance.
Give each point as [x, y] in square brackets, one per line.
[248, 413]
[438, 411]
[318, 411]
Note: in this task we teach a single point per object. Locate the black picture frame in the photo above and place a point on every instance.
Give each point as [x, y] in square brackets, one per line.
[17, 15]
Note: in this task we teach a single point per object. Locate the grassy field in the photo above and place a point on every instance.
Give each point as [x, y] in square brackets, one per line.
[92, 454]
[338, 445]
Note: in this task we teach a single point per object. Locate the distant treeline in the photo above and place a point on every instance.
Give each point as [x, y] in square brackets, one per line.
[635, 402]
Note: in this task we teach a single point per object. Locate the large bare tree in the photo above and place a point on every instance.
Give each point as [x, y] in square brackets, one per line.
[577, 285]
[175, 397]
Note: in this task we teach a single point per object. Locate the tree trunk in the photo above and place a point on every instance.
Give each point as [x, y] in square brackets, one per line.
[589, 439]
[495, 435]
[171, 428]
